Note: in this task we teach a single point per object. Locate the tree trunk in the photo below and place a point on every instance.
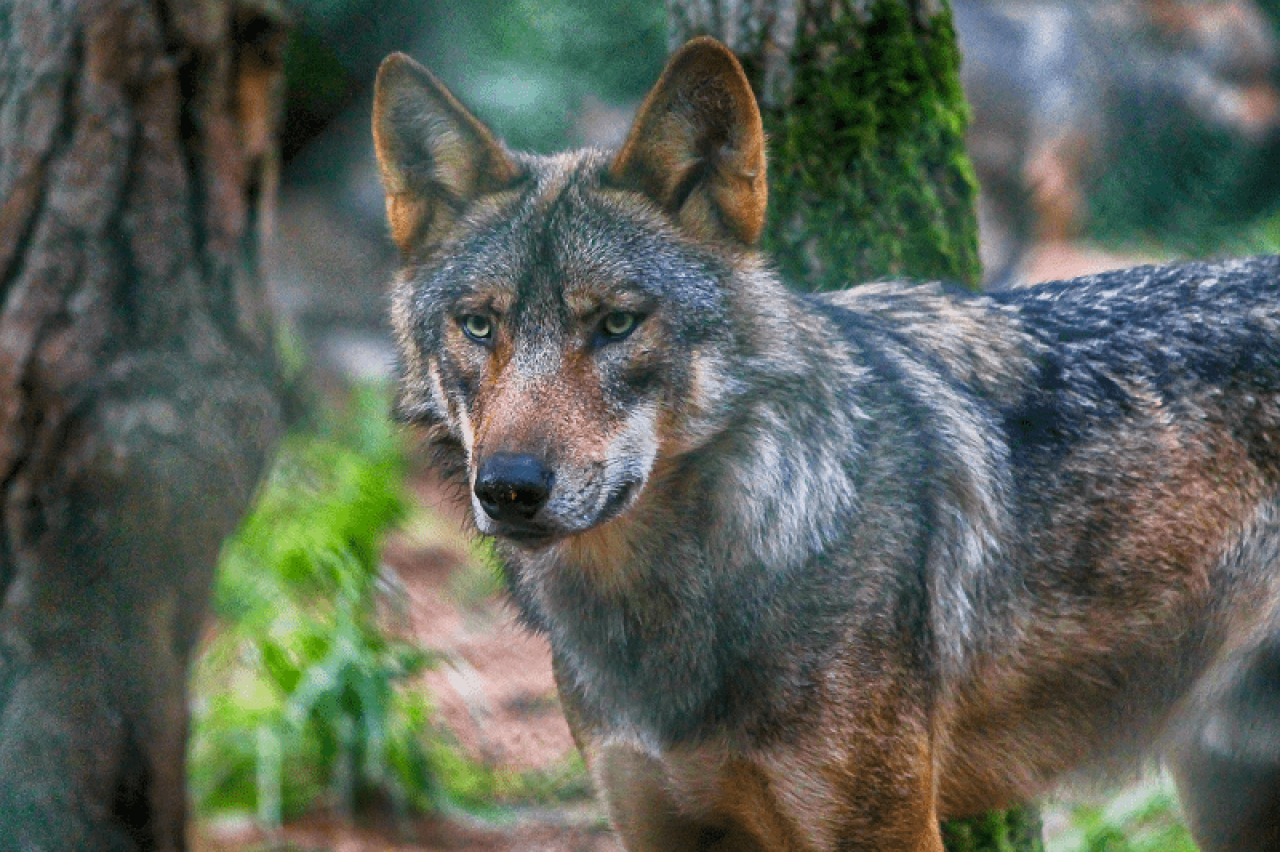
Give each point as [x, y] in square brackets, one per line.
[868, 176]
[865, 115]
[138, 393]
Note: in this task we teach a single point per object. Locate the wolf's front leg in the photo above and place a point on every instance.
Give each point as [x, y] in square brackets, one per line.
[643, 807]
[701, 801]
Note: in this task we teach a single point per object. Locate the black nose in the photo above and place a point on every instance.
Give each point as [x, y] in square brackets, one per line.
[513, 486]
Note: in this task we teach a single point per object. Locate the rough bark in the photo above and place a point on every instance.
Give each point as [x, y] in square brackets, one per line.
[868, 174]
[138, 394]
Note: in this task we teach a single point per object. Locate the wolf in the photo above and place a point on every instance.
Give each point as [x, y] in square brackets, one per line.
[819, 571]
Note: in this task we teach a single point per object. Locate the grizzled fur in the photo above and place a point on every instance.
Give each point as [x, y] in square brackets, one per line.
[819, 571]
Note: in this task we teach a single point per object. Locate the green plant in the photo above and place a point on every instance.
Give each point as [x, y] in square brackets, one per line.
[298, 692]
[481, 788]
[1143, 818]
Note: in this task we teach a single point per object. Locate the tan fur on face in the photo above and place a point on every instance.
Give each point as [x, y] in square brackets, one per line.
[518, 412]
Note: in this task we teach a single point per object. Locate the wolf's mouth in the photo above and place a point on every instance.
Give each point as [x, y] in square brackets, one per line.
[532, 536]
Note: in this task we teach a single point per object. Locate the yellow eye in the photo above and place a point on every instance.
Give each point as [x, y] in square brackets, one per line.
[477, 327]
[618, 324]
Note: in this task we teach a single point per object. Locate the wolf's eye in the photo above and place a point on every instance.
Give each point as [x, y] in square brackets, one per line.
[618, 324]
[477, 327]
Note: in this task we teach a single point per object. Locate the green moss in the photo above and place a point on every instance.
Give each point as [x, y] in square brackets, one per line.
[870, 177]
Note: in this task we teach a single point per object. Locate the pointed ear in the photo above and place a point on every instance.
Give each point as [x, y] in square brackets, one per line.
[697, 145]
[434, 155]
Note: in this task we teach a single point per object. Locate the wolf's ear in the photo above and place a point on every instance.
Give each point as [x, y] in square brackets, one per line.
[697, 145]
[434, 155]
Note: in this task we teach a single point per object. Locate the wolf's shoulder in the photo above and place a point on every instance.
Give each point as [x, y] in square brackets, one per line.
[1160, 325]
[907, 329]
[1093, 304]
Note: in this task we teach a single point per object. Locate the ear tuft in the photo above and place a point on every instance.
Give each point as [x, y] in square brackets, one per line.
[697, 146]
[435, 157]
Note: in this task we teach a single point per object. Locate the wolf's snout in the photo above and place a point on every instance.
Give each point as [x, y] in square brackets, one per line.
[513, 487]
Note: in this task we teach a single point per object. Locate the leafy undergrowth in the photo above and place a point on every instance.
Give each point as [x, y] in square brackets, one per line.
[1142, 818]
[297, 688]
[488, 790]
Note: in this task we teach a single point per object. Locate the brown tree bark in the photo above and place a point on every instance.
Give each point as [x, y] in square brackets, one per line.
[138, 393]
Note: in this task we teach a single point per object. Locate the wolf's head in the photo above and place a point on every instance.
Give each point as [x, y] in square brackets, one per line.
[563, 320]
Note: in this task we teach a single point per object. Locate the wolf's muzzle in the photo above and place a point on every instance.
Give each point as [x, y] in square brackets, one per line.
[513, 487]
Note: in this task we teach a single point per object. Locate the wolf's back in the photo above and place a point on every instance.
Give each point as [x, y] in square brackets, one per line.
[1205, 320]
[1196, 341]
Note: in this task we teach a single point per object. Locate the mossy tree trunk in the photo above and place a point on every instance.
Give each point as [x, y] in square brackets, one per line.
[138, 393]
[865, 115]
[868, 174]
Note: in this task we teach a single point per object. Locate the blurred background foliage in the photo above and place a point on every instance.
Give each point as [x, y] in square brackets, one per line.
[527, 66]
[1185, 185]
[306, 694]
[297, 691]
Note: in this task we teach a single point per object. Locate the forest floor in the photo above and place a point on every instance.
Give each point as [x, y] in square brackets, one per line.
[493, 691]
